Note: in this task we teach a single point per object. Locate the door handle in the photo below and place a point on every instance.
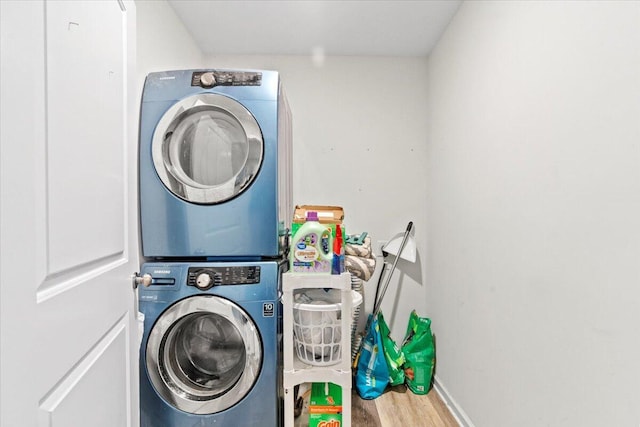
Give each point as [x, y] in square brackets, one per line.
[137, 280]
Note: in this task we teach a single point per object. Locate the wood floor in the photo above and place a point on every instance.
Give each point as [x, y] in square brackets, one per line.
[396, 407]
[400, 407]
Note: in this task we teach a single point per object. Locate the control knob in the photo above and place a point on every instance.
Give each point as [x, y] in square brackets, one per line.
[203, 281]
[207, 80]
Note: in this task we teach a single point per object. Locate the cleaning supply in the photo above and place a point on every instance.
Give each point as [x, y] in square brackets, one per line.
[312, 247]
[420, 353]
[325, 405]
[337, 264]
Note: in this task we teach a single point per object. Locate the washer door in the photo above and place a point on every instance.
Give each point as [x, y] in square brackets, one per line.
[207, 148]
[204, 354]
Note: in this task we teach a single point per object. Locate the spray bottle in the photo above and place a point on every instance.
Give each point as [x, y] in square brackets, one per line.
[337, 264]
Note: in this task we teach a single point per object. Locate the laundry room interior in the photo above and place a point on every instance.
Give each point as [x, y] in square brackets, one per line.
[498, 140]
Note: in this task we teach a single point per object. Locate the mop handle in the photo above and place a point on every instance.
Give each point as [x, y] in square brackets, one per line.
[378, 303]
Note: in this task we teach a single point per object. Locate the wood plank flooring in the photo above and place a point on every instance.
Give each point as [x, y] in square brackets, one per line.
[396, 407]
[364, 412]
[400, 407]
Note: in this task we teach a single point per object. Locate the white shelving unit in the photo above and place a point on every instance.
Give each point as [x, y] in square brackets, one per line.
[296, 371]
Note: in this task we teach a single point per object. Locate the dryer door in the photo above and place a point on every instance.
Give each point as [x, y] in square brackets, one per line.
[207, 148]
[204, 354]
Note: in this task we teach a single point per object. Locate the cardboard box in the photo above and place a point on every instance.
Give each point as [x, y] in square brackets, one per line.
[326, 214]
[325, 405]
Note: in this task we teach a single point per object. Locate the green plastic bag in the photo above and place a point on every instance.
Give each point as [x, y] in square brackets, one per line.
[419, 352]
[392, 354]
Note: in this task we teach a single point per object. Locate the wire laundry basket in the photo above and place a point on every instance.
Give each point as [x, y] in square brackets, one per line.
[317, 328]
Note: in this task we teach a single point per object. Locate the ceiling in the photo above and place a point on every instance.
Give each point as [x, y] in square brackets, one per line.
[306, 27]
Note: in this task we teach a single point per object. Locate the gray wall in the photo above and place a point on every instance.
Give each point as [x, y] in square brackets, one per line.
[533, 241]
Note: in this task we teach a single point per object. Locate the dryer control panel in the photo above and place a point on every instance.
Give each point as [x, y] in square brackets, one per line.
[207, 277]
[209, 79]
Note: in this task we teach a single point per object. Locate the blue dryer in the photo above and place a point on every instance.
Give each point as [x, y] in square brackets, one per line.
[215, 165]
[209, 354]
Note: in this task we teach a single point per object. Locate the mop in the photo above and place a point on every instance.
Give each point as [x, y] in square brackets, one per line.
[380, 291]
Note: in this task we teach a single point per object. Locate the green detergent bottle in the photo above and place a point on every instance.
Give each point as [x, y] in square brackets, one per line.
[312, 249]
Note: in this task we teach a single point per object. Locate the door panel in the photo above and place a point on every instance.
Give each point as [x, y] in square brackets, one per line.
[67, 214]
[84, 135]
[71, 402]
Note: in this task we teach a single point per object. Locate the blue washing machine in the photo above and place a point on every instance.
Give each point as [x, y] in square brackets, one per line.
[209, 354]
[215, 165]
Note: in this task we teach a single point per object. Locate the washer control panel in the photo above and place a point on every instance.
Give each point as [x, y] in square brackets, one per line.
[206, 277]
[209, 79]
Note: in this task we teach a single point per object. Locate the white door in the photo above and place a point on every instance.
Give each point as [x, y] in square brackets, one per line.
[68, 214]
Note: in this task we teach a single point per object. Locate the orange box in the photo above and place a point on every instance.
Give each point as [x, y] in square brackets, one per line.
[325, 405]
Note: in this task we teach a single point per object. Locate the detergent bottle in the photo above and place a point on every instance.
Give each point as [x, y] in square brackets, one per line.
[312, 249]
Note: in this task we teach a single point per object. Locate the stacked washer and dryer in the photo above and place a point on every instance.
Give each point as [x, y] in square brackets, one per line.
[215, 205]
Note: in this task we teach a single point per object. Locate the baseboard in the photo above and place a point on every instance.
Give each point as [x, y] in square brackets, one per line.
[455, 409]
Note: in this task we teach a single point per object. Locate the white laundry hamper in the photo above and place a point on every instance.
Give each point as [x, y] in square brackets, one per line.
[317, 325]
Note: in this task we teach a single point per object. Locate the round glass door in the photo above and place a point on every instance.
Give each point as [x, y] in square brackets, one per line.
[207, 148]
[204, 354]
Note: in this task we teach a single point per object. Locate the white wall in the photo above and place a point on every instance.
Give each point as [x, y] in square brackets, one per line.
[533, 247]
[163, 41]
[359, 141]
